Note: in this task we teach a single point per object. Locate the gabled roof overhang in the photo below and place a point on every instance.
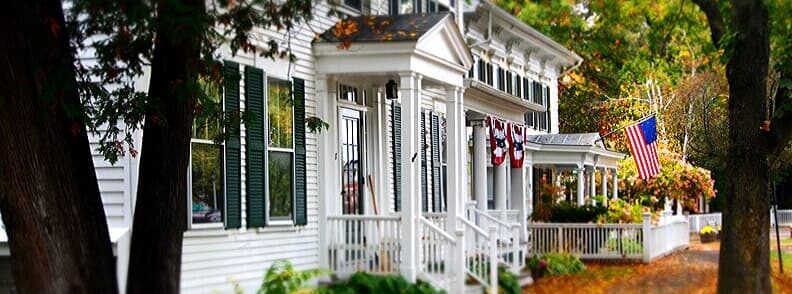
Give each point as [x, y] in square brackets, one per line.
[439, 54]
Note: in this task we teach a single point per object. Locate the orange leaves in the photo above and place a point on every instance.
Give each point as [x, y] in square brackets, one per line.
[344, 30]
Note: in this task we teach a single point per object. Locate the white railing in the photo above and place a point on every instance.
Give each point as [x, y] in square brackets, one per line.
[507, 236]
[699, 221]
[784, 217]
[481, 255]
[644, 241]
[436, 255]
[507, 216]
[671, 234]
[439, 219]
[363, 243]
[588, 241]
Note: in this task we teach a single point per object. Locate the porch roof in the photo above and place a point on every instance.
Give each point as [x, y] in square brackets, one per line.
[427, 44]
[574, 149]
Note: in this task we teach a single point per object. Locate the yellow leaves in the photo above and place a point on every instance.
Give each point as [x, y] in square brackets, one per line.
[344, 30]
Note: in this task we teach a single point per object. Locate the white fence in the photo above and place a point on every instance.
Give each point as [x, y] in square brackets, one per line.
[438, 249]
[698, 221]
[506, 234]
[644, 241]
[364, 243]
[480, 254]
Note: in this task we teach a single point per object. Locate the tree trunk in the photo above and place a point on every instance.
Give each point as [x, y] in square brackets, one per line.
[49, 196]
[744, 255]
[160, 211]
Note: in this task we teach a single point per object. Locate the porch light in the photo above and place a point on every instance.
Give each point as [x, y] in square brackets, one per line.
[391, 90]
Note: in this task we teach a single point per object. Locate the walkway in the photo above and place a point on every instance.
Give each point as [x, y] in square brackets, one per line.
[690, 271]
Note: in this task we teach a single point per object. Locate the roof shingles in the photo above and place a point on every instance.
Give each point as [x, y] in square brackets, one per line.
[381, 28]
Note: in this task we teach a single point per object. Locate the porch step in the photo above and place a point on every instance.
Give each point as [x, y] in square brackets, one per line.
[525, 278]
[474, 289]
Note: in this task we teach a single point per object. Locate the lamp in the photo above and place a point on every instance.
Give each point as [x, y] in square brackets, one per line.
[391, 89]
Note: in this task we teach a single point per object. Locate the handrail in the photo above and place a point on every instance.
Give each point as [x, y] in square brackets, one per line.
[363, 217]
[474, 227]
[492, 218]
[437, 229]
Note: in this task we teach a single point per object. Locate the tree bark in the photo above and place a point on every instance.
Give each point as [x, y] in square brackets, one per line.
[49, 196]
[744, 255]
[160, 211]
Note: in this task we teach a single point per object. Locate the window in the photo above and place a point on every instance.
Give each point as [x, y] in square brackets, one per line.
[509, 80]
[501, 79]
[517, 86]
[490, 81]
[207, 177]
[482, 71]
[354, 4]
[280, 152]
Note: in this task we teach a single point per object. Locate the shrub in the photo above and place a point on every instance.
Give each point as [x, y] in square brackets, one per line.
[677, 180]
[282, 278]
[566, 212]
[619, 211]
[627, 245]
[555, 264]
[508, 282]
[362, 282]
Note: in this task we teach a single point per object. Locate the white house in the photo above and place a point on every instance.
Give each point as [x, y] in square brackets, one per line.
[402, 181]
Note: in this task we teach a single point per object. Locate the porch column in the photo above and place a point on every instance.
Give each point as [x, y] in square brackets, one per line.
[501, 183]
[529, 186]
[518, 195]
[604, 185]
[615, 184]
[326, 164]
[457, 169]
[480, 164]
[593, 184]
[409, 92]
[581, 184]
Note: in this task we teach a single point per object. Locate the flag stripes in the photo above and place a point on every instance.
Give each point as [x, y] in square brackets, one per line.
[645, 155]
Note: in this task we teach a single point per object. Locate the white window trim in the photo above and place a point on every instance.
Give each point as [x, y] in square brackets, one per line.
[267, 218]
[217, 225]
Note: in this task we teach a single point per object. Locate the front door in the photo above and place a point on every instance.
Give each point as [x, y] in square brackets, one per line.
[352, 160]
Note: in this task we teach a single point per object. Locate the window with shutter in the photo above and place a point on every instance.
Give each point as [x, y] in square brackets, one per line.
[424, 172]
[255, 168]
[280, 152]
[437, 198]
[547, 112]
[233, 157]
[300, 169]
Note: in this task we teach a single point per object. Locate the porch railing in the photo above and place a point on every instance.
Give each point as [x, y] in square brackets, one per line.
[784, 217]
[363, 243]
[480, 253]
[645, 241]
[506, 215]
[698, 221]
[506, 234]
[439, 219]
[436, 255]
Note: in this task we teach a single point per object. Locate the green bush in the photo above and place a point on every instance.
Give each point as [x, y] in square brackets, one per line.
[508, 282]
[627, 245]
[563, 264]
[621, 212]
[367, 283]
[566, 212]
[282, 278]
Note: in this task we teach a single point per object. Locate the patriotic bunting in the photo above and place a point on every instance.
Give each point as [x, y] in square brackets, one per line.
[497, 140]
[516, 140]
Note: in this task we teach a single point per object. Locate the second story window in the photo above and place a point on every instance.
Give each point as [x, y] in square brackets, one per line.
[354, 4]
[501, 79]
[509, 83]
[517, 86]
[490, 80]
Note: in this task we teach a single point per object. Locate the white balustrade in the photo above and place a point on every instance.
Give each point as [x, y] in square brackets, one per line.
[437, 218]
[436, 255]
[506, 234]
[363, 243]
[480, 254]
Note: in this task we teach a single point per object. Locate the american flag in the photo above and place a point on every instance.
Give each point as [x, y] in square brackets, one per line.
[643, 146]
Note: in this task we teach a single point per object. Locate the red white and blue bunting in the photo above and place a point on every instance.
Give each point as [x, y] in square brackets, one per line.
[516, 140]
[497, 130]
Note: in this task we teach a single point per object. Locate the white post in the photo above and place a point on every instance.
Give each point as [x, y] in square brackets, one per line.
[457, 169]
[604, 185]
[593, 184]
[647, 237]
[325, 165]
[615, 184]
[530, 188]
[580, 185]
[458, 263]
[501, 180]
[493, 260]
[519, 189]
[409, 92]
[480, 165]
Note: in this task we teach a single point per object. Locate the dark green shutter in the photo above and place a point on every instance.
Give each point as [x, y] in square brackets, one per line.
[396, 125]
[232, 149]
[424, 171]
[437, 199]
[547, 103]
[254, 152]
[300, 189]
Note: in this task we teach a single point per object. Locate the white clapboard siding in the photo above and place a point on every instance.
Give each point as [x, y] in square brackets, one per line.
[212, 257]
[115, 185]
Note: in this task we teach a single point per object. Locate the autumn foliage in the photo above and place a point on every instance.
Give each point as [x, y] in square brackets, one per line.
[677, 180]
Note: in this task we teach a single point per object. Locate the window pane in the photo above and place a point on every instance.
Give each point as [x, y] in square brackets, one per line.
[281, 115]
[208, 195]
[280, 185]
[207, 121]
